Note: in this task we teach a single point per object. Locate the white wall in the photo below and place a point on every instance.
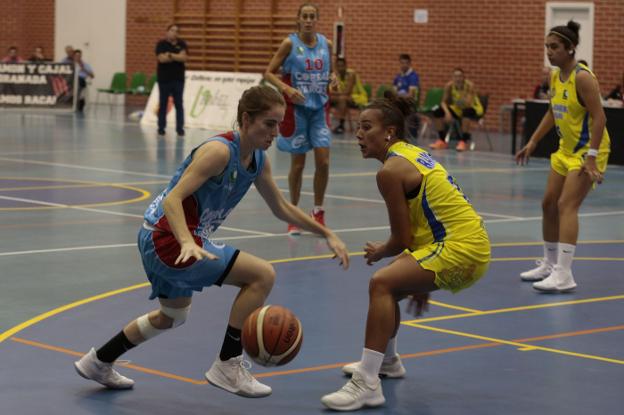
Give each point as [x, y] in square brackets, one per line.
[98, 28]
[558, 14]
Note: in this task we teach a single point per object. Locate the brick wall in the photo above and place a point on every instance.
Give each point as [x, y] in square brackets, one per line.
[498, 43]
[26, 24]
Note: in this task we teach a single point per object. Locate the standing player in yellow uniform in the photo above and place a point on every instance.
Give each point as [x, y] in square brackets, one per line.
[578, 117]
[438, 238]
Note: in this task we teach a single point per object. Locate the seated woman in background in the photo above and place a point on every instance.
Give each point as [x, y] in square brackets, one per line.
[347, 93]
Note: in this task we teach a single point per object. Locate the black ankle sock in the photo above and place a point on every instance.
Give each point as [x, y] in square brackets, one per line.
[466, 137]
[115, 347]
[232, 345]
[442, 135]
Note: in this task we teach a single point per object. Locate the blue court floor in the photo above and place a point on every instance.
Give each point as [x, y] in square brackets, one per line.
[72, 194]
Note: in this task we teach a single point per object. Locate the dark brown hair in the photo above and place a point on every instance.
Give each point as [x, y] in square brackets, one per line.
[569, 34]
[394, 111]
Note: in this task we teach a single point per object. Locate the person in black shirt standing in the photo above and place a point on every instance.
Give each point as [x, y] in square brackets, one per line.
[171, 55]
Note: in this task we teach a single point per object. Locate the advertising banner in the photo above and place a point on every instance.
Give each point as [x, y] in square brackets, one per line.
[37, 85]
[210, 100]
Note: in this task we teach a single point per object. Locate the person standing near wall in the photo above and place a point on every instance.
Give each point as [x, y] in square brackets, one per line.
[84, 72]
[171, 53]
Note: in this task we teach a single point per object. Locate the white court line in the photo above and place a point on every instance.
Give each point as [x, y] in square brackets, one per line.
[381, 201]
[77, 166]
[274, 235]
[109, 212]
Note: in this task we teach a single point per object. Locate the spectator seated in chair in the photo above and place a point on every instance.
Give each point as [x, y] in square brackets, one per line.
[347, 92]
[615, 98]
[460, 108]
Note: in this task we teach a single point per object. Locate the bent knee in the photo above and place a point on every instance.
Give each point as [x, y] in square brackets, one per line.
[378, 285]
[265, 278]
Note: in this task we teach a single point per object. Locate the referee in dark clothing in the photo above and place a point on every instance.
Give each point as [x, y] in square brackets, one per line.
[171, 55]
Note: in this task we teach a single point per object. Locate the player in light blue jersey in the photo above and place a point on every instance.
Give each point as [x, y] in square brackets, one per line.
[179, 257]
[305, 59]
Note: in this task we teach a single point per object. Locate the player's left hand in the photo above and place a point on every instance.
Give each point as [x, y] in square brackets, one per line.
[590, 168]
[418, 304]
[373, 252]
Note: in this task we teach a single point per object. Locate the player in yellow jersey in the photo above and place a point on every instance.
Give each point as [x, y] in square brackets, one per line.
[578, 117]
[437, 237]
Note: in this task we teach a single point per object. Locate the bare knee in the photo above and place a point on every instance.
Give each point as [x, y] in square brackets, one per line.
[550, 205]
[265, 279]
[378, 286]
[566, 207]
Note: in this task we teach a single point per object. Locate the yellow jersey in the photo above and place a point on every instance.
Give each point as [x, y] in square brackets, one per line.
[458, 98]
[440, 211]
[572, 121]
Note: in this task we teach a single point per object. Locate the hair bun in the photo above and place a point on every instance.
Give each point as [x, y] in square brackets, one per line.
[404, 104]
[574, 26]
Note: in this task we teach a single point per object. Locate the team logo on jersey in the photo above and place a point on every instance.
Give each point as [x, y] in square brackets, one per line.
[233, 175]
[565, 94]
[426, 160]
[300, 50]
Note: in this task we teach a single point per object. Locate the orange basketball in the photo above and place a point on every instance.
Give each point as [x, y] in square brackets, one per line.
[272, 335]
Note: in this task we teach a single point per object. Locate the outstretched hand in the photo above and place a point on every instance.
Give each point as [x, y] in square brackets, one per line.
[373, 252]
[418, 304]
[192, 250]
[522, 156]
[339, 249]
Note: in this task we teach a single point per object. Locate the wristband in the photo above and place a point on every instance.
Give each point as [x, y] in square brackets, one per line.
[592, 152]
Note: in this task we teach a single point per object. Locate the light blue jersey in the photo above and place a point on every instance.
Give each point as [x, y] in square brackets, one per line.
[209, 205]
[307, 69]
[204, 211]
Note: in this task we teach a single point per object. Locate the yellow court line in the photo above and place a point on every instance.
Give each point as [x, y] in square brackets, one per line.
[514, 309]
[40, 317]
[522, 346]
[319, 368]
[454, 307]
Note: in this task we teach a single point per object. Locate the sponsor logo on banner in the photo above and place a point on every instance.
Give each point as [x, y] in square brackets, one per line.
[210, 100]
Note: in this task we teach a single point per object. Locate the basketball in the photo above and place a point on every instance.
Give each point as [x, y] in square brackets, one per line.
[272, 335]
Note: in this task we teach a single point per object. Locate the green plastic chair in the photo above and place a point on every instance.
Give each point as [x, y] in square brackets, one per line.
[137, 83]
[150, 84]
[381, 89]
[117, 86]
[433, 99]
[369, 90]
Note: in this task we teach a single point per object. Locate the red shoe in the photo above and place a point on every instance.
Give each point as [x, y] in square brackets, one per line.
[319, 216]
[293, 229]
[439, 145]
[461, 146]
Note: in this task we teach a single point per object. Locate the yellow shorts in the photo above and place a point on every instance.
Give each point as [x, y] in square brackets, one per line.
[564, 163]
[457, 265]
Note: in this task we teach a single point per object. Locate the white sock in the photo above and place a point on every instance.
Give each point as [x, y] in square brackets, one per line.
[317, 209]
[391, 349]
[551, 251]
[370, 365]
[566, 255]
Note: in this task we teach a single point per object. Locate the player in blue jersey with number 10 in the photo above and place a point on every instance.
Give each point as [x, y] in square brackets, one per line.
[305, 58]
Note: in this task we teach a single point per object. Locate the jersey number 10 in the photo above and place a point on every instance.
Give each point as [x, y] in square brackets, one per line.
[318, 64]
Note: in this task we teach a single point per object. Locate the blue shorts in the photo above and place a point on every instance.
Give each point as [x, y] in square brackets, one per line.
[304, 129]
[159, 251]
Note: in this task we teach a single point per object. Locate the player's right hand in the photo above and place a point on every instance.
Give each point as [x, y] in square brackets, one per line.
[192, 250]
[522, 156]
[295, 95]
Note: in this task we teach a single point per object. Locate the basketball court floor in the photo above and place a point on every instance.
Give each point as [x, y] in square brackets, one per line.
[72, 194]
